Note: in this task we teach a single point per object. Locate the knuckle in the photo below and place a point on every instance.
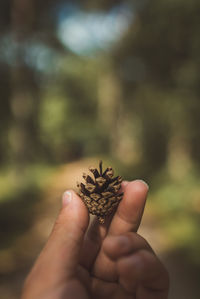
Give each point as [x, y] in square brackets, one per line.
[138, 240]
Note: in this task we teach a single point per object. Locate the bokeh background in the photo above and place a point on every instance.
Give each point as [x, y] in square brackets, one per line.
[84, 80]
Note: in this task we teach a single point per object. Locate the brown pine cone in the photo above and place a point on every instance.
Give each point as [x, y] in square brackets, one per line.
[101, 193]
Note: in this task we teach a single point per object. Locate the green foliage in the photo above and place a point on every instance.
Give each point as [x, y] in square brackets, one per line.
[19, 194]
[53, 120]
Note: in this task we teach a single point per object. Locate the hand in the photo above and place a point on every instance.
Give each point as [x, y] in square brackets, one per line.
[102, 261]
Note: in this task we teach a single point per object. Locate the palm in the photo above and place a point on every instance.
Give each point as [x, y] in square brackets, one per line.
[99, 275]
[100, 288]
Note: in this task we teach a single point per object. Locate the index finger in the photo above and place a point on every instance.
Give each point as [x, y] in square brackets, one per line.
[130, 210]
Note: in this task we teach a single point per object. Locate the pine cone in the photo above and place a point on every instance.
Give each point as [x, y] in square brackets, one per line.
[101, 193]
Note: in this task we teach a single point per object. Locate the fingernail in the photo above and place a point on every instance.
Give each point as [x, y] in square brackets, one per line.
[144, 183]
[67, 197]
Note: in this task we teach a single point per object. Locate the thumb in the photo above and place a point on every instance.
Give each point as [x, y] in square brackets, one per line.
[62, 250]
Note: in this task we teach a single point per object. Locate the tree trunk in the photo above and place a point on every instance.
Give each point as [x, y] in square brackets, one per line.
[114, 119]
[23, 100]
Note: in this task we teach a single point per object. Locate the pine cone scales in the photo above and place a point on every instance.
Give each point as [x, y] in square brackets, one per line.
[101, 193]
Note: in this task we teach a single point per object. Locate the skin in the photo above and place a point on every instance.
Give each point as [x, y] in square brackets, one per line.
[98, 261]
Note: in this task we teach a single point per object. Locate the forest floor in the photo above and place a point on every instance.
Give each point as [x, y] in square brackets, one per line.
[18, 253]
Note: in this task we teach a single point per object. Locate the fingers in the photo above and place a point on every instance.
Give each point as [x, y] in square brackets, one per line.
[130, 210]
[142, 273]
[127, 218]
[94, 237]
[116, 247]
[139, 270]
[61, 253]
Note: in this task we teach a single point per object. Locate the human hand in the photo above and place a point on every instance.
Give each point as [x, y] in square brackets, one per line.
[102, 261]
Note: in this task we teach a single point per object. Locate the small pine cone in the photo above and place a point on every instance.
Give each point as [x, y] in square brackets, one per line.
[101, 193]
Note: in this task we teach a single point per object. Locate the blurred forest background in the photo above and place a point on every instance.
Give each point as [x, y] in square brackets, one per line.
[83, 80]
